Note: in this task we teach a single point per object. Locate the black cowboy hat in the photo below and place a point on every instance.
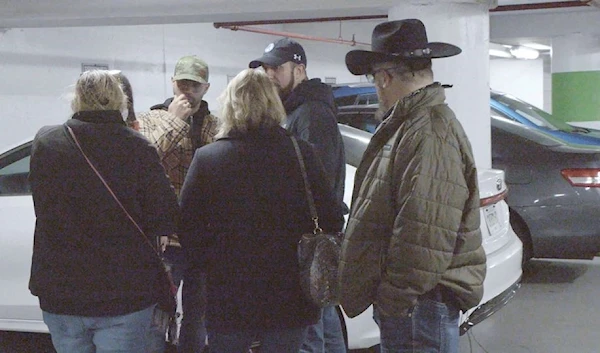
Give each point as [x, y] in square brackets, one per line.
[397, 41]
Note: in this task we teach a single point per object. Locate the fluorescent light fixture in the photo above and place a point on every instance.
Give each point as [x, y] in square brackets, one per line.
[521, 52]
[537, 46]
[500, 53]
[499, 50]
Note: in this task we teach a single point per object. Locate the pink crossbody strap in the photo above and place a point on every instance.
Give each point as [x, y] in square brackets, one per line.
[109, 189]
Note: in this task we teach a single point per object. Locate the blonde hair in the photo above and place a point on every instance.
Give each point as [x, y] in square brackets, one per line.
[250, 101]
[98, 90]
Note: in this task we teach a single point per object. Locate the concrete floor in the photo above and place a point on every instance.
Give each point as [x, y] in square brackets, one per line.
[557, 310]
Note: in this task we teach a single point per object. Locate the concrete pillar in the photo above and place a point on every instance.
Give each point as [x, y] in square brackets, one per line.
[465, 24]
[576, 77]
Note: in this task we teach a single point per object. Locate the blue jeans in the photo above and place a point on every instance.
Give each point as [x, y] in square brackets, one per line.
[326, 336]
[192, 336]
[138, 332]
[271, 341]
[429, 327]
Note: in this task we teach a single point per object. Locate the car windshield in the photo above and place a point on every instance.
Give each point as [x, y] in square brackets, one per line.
[500, 121]
[532, 113]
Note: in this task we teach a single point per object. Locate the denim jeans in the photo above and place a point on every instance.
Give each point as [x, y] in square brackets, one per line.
[192, 336]
[271, 341]
[137, 332]
[326, 336]
[429, 327]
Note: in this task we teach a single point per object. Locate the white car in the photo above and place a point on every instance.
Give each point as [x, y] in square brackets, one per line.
[19, 310]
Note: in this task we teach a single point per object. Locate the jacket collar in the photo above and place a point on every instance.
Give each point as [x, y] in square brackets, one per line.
[100, 117]
[432, 94]
[427, 96]
[261, 132]
[309, 90]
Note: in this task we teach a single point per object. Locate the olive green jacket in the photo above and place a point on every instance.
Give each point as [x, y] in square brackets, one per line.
[414, 221]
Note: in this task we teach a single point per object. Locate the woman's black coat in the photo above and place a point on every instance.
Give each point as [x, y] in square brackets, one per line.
[88, 257]
[244, 209]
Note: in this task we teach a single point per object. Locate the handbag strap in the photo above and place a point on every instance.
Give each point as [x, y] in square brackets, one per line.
[111, 191]
[309, 194]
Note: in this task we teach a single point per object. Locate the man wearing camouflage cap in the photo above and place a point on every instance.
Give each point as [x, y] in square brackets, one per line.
[178, 127]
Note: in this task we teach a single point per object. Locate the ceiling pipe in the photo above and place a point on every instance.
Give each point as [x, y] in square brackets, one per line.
[294, 35]
[595, 3]
[299, 20]
[242, 25]
[541, 6]
[501, 8]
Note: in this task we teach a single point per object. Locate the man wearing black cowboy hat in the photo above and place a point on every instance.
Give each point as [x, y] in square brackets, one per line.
[413, 244]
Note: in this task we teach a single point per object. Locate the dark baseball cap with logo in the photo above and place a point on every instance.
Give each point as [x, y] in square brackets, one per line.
[279, 53]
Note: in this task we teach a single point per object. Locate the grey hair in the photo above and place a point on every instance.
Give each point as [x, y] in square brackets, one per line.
[98, 90]
[250, 101]
[409, 70]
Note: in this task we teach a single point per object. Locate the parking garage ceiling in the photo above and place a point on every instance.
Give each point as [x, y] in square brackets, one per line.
[60, 13]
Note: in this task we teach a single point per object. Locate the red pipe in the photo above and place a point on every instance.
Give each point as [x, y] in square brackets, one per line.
[537, 6]
[294, 35]
[502, 8]
[240, 26]
[299, 20]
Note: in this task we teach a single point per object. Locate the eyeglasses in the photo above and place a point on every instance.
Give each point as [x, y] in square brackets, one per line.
[371, 76]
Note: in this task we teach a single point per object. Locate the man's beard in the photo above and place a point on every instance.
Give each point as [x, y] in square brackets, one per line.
[284, 92]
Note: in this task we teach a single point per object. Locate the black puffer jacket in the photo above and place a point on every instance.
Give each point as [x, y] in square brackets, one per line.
[88, 258]
[311, 115]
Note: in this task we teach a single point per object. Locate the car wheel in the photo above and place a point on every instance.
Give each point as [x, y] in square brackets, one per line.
[522, 231]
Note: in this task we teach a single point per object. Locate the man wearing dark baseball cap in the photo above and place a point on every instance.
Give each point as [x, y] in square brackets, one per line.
[312, 116]
[412, 246]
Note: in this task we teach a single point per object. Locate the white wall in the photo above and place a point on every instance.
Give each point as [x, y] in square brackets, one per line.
[523, 79]
[547, 85]
[38, 66]
[327, 59]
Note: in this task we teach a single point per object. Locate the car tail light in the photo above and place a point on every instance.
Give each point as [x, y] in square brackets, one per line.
[582, 177]
[493, 199]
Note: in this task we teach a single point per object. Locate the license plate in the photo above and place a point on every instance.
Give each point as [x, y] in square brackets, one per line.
[491, 219]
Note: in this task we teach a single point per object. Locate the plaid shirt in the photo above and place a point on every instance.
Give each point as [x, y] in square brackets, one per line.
[171, 136]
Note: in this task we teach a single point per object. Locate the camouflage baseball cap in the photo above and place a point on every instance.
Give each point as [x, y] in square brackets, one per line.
[191, 68]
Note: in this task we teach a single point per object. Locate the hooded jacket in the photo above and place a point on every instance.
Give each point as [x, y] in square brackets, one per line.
[414, 223]
[311, 116]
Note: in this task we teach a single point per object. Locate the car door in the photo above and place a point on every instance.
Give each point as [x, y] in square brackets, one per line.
[19, 310]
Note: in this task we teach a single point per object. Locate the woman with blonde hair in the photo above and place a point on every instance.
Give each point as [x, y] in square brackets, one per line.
[96, 274]
[244, 208]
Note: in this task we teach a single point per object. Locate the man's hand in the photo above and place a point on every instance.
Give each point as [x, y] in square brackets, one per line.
[180, 107]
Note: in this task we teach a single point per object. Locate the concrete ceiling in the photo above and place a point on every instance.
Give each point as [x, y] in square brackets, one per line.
[60, 13]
